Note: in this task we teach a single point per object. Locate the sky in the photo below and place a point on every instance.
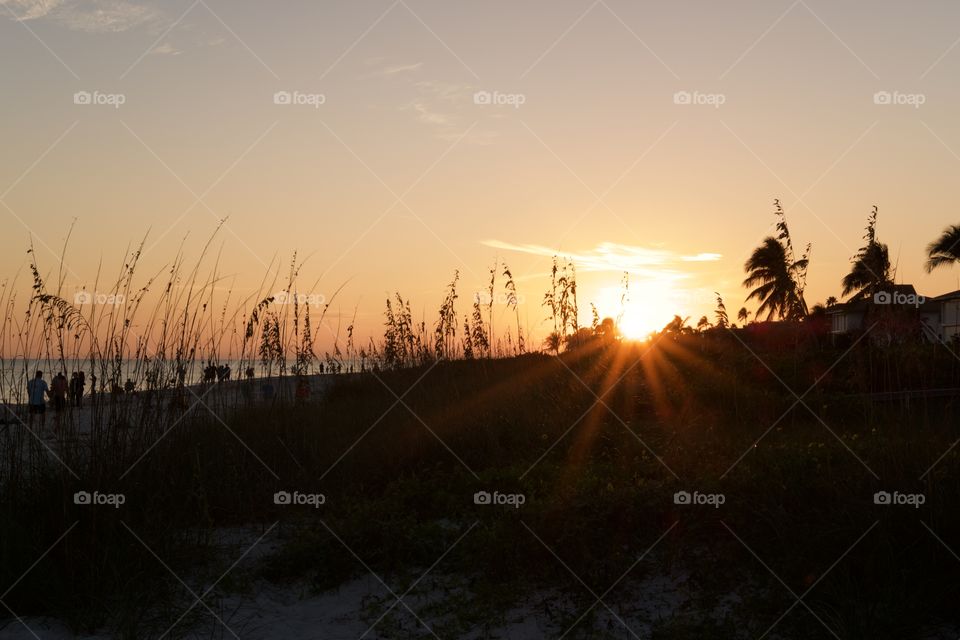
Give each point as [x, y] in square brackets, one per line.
[392, 142]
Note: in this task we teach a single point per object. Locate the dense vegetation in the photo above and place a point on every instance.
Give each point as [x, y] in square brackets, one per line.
[699, 412]
[796, 429]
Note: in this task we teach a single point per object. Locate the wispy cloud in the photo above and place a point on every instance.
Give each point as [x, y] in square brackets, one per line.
[92, 16]
[439, 105]
[105, 16]
[442, 105]
[385, 70]
[30, 9]
[400, 68]
[446, 91]
[702, 257]
[165, 49]
[613, 257]
[427, 115]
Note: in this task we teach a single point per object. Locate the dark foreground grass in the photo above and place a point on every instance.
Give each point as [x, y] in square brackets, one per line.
[399, 456]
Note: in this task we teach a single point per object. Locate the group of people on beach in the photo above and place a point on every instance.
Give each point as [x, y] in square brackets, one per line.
[218, 373]
[62, 392]
[59, 391]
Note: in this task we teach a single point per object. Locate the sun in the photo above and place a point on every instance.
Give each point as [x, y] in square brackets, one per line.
[636, 324]
[650, 307]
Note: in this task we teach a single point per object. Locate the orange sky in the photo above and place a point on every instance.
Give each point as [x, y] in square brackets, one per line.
[425, 136]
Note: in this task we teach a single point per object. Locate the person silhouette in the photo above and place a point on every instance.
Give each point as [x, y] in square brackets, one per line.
[58, 392]
[37, 390]
[78, 389]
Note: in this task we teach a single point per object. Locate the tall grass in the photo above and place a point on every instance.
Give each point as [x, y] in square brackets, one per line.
[599, 477]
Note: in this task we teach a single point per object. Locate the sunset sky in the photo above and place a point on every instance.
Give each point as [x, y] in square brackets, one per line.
[436, 135]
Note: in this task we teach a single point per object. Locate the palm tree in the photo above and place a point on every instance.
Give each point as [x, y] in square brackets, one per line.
[773, 274]
[677, 326]
[945, 249]
[831, 302]
[743, 315]
[553, 342]
[777, 276]
[870, 272]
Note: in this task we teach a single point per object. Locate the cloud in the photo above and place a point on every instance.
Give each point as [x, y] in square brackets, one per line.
[702, 257]
[165, 49]
[438, 105]
[91, 16]
[391, 69]
[446, 91]
[614, 257]
[401, 68]
[427, 115]
[30, 9]
[104, 16]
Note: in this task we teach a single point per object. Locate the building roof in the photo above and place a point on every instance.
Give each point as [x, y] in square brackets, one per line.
[861, 303]
[906, 289]
[948, 296]
[846, 307]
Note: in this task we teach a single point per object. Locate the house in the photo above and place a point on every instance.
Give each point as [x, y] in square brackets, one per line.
[933, 315]
[850, 316]
[949, 315]
[847, 316]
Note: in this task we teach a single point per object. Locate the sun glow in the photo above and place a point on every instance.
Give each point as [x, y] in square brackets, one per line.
[651, 305]
[637, 323]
